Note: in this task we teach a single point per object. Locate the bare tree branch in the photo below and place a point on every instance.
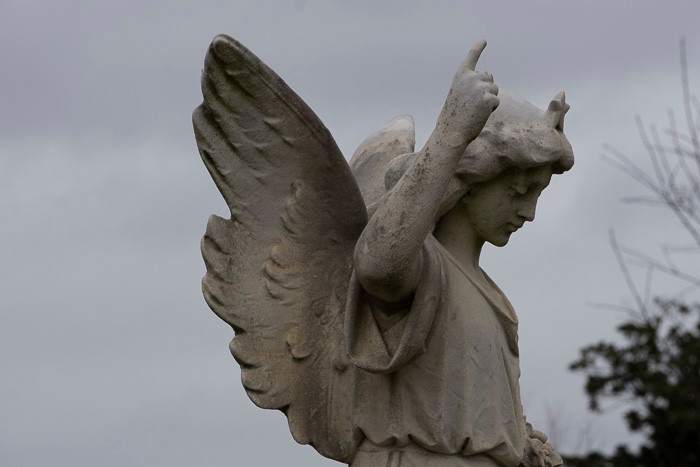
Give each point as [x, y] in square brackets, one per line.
[626, 274]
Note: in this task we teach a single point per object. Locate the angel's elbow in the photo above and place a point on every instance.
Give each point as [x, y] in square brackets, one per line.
[380, 279]
[367, 267]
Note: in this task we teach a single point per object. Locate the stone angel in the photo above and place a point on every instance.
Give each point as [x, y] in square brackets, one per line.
[354, 290]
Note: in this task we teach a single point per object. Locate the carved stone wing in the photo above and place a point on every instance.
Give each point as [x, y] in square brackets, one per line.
[372, 157]
[278, 270]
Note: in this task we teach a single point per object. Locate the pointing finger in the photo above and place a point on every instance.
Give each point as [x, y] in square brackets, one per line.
[469, 63]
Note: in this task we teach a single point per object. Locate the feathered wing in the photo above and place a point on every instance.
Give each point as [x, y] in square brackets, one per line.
[372, 157]
[278, 270]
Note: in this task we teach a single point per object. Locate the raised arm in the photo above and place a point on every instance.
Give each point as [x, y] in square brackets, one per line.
[388, 258]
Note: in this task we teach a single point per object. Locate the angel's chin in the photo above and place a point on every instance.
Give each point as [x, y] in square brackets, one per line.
[501, 240]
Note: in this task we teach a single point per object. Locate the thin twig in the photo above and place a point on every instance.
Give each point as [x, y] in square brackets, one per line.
[626, 274]
[645, 259]
[653, 156]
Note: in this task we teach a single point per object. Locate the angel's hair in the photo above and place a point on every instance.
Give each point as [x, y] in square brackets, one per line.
[517, 135]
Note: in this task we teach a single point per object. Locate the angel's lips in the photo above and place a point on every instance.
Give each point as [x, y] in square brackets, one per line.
[511, 227]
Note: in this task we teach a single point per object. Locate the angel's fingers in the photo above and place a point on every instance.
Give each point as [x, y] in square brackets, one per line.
[539, 435]
[494, 101]
[469, 63]
[492, 88]
[488, 77]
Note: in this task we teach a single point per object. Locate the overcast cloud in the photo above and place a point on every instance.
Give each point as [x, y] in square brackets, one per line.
[110, 357]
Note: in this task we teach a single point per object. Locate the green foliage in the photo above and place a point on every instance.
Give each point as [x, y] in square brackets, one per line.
[657, 371]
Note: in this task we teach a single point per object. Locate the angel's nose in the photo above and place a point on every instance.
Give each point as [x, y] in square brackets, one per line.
[527, 211]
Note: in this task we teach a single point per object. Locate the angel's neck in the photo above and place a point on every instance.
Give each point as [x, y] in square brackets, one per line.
[458, 237]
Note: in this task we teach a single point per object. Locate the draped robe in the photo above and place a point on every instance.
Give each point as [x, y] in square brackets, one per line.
[439, 380]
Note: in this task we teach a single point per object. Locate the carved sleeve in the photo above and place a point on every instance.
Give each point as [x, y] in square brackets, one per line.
[380, 338]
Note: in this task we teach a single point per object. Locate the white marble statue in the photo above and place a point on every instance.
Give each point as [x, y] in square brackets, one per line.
[355, 292]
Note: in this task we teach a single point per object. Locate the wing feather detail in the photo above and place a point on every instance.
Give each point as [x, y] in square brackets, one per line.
[278, 269]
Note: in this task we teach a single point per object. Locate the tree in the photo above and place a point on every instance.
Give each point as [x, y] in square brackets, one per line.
[656, 370]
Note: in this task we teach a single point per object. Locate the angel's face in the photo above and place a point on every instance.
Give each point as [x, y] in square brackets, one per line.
[500, 206]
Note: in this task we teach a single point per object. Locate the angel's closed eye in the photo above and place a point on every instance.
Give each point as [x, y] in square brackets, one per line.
[518, 190]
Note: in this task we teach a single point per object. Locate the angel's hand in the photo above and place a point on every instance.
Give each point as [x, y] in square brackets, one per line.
[472, 98]
[538, 452]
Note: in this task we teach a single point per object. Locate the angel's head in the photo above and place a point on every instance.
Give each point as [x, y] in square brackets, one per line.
[518, 150]
[518, 135]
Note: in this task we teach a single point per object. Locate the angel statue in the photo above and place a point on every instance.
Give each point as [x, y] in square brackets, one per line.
[354, 290]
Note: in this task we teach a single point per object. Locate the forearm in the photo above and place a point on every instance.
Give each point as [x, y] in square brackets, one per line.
[388, 253]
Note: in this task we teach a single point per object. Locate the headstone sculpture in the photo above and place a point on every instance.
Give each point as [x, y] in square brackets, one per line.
[354, 290]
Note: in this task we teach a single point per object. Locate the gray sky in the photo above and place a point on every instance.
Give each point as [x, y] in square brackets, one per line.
[109, 354]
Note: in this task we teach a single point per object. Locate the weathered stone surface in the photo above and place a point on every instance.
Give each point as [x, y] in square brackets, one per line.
[378, 335]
